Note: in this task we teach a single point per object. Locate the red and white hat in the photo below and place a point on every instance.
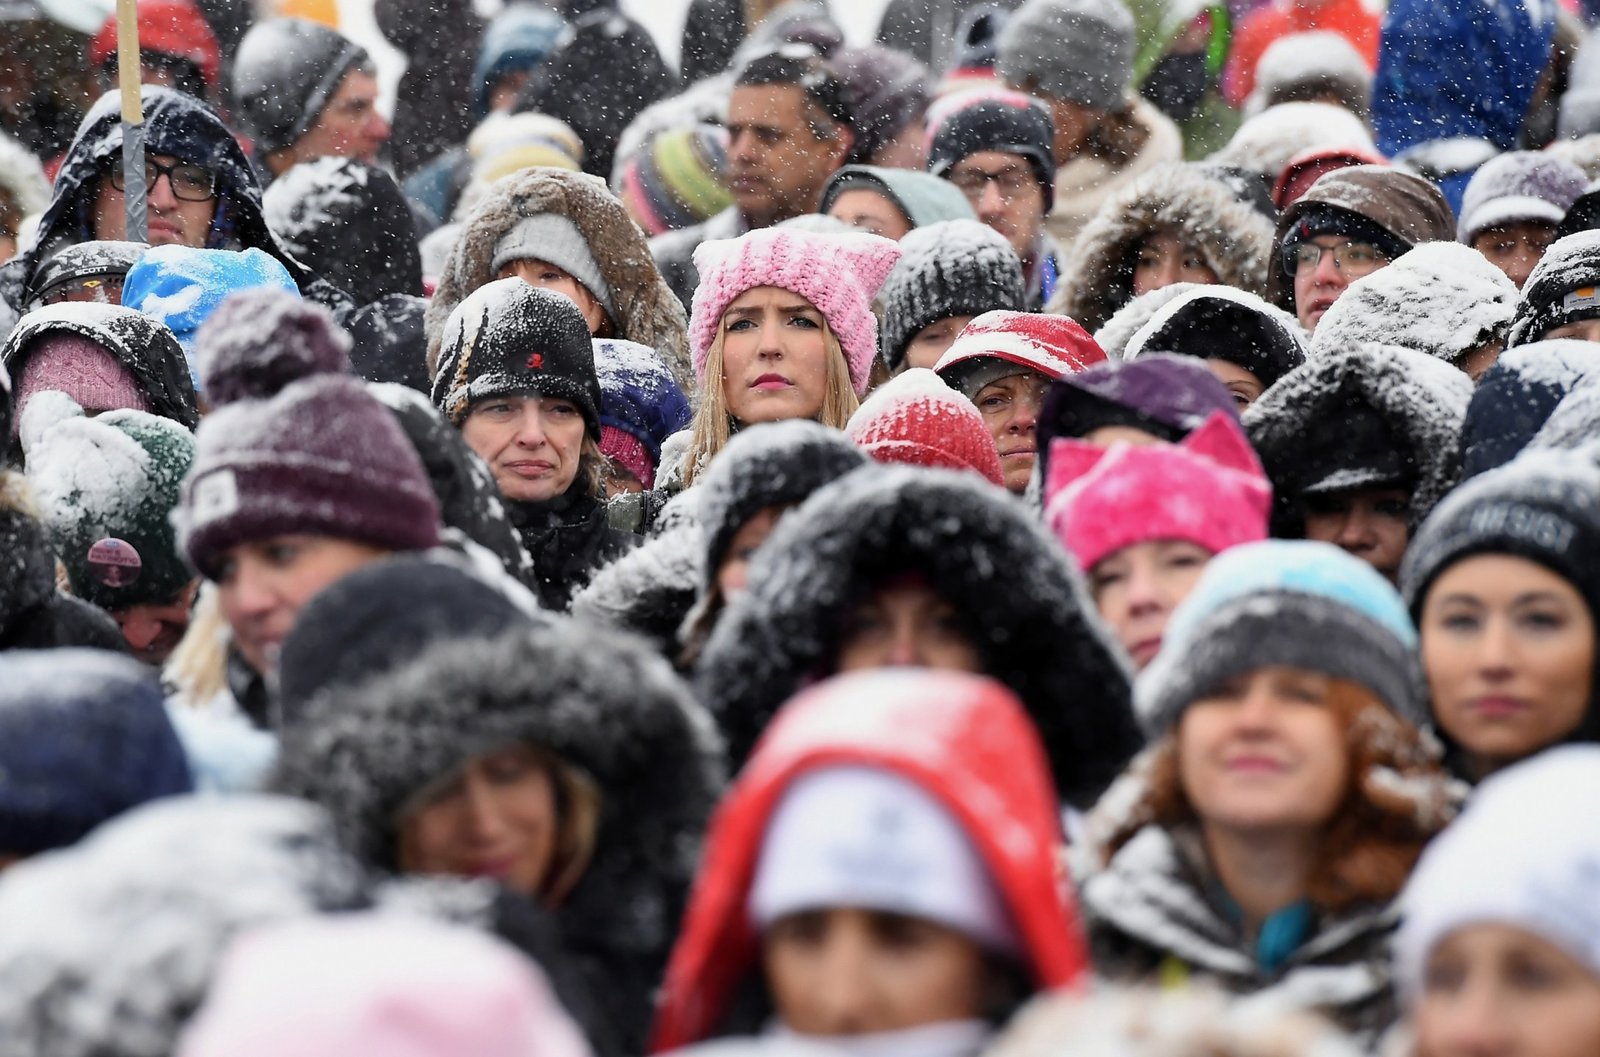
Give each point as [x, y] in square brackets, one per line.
[1051, 345]
[916, 419]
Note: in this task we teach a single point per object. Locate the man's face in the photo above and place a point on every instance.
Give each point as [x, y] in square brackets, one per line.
[777, 162]
[1323, 268]
[350, 126]
[153, 630]
[177, 214]
[1368, 522]
[1006, 195]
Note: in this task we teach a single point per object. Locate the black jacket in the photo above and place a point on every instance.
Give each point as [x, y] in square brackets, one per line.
[34, 615]
[569, 540]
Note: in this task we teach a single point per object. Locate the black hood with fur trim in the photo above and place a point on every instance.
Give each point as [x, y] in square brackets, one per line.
[603, 703]
[1019, 598]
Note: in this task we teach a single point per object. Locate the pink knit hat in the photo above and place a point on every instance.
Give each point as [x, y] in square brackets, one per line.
[1054, 346]
[838, 274]
[915, 418]
[623, 447]
[82, 369]
[1209, 489]
[378, 985]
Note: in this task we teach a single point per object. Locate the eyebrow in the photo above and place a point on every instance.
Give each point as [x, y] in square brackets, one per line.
[756, 311]
[1527, 597]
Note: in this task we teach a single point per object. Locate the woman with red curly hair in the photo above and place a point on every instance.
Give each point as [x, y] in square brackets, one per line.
[1261, 840]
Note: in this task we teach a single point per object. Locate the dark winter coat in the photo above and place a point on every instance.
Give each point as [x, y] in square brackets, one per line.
[388, 342]
[141, 344]
[1408, 207]
[1295, 426]
[1516, 396]
[183, 127]
[1153, 917]
[33, 613]
[927, 28]
[712, 32]
[674, 250]
[1097, 269]
[569, 540]
[1019, 598]
[646, 310]
[600, 702]
[433, 107]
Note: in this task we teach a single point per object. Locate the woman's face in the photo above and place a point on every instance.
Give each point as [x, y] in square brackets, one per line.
[1495, 989]
[930, 343]
[1163, 259]
[870, 211]
[774, 357]
[1264, 752]
[546, 276]
[1243, 385]
[533, 444]
[906, 624]
[1138, 587]
[1010, 408]
[856, 972]
[262, 585]
[497, 818]
[1508, 648]
[732, 574]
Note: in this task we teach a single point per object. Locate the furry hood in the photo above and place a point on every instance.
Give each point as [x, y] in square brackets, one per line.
[647, 311]
[1018, 595]
[1097, 273]
[600, 701]
[1421, 400]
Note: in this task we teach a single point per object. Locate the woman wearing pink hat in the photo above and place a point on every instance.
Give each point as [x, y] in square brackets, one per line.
[782, 328]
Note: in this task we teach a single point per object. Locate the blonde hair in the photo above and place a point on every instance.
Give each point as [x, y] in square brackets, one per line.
[198, 667]
[713, 424]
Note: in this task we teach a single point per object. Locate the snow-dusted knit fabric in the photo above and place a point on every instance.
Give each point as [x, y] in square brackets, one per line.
[1080, 51]
[1266, 143]
[1441, 298]
[638, 395]
[81, 368]
[384, 985]
[915, 418]
[1516, 397]
[554, 239]
[952, 268]
[1054, 346]
[992, 118]
[1224, 323]
[1561, 288]
[1295, 603]
[1525, 853]
[1517, 186]
[1208, 489]
[838, 274]
[1319, 57]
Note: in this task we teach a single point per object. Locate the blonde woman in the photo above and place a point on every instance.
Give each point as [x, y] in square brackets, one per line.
[782, 328]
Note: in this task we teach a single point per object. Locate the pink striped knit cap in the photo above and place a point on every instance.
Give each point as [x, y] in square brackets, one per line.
[1209, 489]
[838, 274]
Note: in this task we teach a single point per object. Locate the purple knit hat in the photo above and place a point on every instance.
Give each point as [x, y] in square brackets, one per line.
[838, 274]
[320, 456]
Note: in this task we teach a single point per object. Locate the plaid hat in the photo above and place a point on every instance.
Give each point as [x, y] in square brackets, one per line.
[508, 338]
[985, 119]
[676, 179]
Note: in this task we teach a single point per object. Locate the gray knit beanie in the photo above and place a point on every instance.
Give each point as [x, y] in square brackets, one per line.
[953, 268]
[555, 239]
[1080, 51]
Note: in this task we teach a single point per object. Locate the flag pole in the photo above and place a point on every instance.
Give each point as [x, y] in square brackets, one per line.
[128, 77]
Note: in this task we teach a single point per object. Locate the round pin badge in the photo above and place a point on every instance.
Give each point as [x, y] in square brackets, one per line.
[114, 562]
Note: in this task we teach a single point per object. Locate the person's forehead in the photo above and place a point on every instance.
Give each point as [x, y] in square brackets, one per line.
[766, 104]
[991, 161]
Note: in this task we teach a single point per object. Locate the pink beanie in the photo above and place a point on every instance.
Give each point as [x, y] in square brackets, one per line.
[81, 368]
[378, 985]
[915, 418]
[838, 274]
[1209, 489]
[623, 447]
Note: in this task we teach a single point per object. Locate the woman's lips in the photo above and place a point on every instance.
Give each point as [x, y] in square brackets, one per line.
[771, 381]
[1251, 763]
[530, 468]
[1497, 707]
[1145, 649]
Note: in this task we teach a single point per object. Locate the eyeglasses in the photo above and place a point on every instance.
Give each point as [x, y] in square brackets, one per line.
[1011, 181]
[1357, 258]
[191, 183]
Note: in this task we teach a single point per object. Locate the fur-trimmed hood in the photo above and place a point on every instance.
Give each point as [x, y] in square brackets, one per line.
[603, 703]
[1422, 402]
[1018, 595]
[1097, 269]
[646, 309]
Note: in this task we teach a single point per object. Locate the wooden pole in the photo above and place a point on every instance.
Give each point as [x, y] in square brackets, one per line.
[129, 70]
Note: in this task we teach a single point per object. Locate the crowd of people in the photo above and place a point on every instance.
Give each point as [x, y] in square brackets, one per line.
[1071, 529]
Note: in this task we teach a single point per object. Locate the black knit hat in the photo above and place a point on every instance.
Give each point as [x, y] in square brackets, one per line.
[984, 119]
[285, 72]
[1318, 218]
[952, 268]
[1226, 324]
[508, 338]
[1564, 287]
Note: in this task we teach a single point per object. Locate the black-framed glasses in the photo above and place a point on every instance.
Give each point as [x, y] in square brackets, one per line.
[190, 182]
[1012, 181]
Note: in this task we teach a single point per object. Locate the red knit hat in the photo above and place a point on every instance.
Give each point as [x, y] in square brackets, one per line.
[1054, 346]
[1208, 489]
[915, 418]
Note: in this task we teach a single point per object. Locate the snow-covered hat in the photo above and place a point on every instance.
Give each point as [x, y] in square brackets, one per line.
[856, 836]
[1564, 287]
[1516, 396]
[1517, 186]
[286, 72]
[951, 268]
[1080, 51]
[1525, 853]
[1000, 344]
[640, 405]
[915, 418]
[838, 274]
[1208, 489]
[1295, 603]
[992, 118]
[1319, 60]
[1224, 323]
[382, 985]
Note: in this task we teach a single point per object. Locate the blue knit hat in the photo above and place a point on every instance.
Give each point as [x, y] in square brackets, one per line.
[1296, 603]
[84, 737]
